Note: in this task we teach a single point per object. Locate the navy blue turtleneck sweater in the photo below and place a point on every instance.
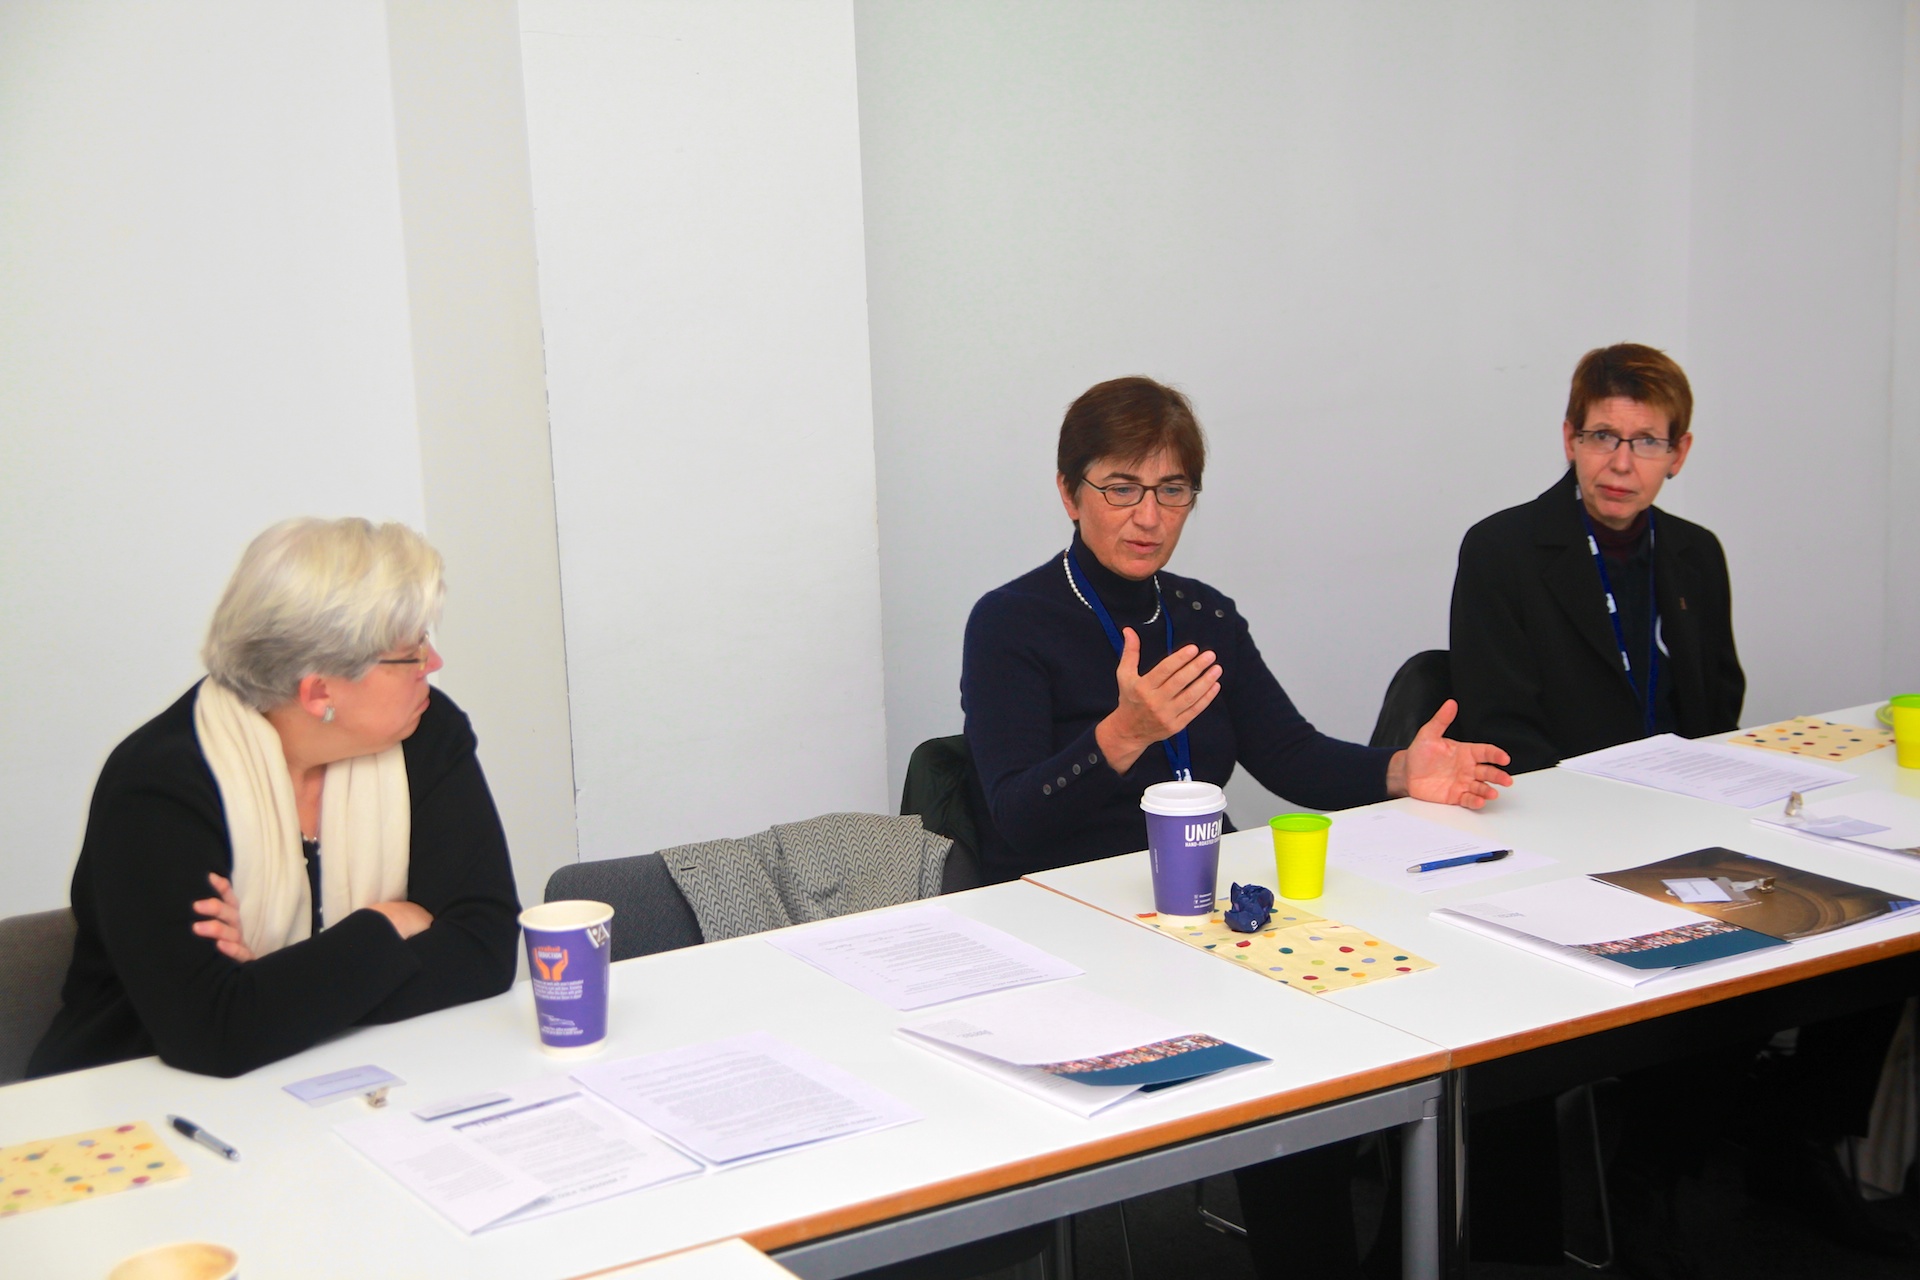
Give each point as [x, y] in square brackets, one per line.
[1037, 676]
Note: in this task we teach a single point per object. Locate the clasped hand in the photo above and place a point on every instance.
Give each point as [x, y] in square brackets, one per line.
[1155, 706]
[223, 919]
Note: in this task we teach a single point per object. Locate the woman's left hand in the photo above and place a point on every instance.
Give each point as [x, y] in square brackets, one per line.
[1438, 769]
[224, 926]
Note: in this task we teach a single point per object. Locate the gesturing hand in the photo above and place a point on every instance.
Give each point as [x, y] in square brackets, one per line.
[1438, 769]
[1155, 706]
[223, 926]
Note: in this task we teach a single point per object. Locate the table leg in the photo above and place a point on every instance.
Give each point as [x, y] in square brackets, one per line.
[1420, 1196]
[1453, 1175]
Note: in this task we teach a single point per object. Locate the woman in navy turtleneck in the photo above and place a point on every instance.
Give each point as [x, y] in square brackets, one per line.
[1066, 735]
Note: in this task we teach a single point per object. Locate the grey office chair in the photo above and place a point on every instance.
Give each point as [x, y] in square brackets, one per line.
[942, 788]
[649, 911]
[35, 951]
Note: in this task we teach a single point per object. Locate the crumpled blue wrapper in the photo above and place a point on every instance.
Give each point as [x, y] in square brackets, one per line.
[1252, 908]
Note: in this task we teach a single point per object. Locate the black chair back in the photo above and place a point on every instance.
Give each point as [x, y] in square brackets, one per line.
[942, 789]
[35, 951]
[649, 912]
[1416, 691]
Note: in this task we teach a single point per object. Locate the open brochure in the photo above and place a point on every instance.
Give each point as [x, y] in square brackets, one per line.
[1073, 1048]
[1604, 930]
[1884, 824]
[1768, 897]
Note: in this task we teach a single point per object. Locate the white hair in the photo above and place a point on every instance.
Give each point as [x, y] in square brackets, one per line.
[320, 597]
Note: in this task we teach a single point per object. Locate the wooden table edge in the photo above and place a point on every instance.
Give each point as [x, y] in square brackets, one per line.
[1084, 1155]
[1679, 1001]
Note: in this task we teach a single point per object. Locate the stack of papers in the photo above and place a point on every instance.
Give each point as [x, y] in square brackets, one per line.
[1706, 770]
[1881, 823]
[1075, 1049]
[532, 1150]
[1606, 931]
[743, 1098]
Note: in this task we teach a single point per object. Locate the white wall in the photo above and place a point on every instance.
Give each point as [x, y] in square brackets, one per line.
[204, 330]
[1903, 472]
[1371, 242]
[696, 181]
[467, 208]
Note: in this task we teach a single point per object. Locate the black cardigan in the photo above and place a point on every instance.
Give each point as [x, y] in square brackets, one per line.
[1037, 675]
[1535, 664]
[143, 982]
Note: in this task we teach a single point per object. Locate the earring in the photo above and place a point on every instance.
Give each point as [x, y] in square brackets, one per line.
[328, 717]
[1672, 474]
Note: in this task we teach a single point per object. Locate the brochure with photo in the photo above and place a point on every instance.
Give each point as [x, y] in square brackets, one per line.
[1767, 897]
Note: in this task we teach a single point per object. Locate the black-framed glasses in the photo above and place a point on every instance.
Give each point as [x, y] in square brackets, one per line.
[421, 655]
[1605, 441]
[1174, 493]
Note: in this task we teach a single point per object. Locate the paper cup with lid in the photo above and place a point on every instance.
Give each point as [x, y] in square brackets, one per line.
[1183, 842]
[570, 955]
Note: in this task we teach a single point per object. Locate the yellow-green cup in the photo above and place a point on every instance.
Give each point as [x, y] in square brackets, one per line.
[1906, 729]
[1300, 853]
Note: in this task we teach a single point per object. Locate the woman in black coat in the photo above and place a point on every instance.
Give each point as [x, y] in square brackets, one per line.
[304, 841]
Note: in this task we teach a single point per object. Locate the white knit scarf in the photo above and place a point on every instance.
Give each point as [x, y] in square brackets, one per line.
[366, 824]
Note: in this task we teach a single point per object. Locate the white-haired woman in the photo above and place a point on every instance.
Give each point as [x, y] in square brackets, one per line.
[304, 842]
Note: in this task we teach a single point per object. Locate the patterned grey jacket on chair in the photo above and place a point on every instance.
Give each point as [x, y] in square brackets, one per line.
[799, 871]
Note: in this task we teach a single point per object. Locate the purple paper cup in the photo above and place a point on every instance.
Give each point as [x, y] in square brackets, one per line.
[569, 954]
[1183, 842]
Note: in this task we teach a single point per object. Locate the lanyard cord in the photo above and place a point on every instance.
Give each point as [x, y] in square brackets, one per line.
[1613, 615]
[1179, 750]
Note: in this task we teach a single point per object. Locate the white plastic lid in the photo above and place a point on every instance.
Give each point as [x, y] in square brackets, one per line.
[1183, 799]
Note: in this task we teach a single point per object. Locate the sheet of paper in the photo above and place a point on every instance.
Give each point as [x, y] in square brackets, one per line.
[83, 1166]
[319, 1090]
[1381, 844]
[912, 957]
[1297, 948]
[743, 1097]
[1706, 770]
[545, 1146]
[1820, 739]
[1048, 1024]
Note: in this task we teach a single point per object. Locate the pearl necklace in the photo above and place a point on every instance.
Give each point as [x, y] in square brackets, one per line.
[1066, 569]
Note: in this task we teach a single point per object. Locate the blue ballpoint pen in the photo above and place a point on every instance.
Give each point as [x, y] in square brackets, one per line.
[1462, 861]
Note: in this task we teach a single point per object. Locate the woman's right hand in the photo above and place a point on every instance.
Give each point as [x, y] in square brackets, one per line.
[1155, 706]
[407, 918]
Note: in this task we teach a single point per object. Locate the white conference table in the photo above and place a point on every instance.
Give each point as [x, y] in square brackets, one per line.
[986, 1159]
[1487, 1002]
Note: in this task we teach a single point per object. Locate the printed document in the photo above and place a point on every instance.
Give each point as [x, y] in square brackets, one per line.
[912, 957]
[1073, 1048]
[744, 1097]
[1883, 823]
[549, 1145]
[1707, 770]
[1381, 844]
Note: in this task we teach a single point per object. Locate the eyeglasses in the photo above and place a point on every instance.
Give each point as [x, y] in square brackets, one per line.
[421, 655]
[1605, 441]
[1171, 494]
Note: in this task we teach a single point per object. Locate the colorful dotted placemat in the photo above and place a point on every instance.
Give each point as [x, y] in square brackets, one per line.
[1305, 951]
[83, 1166]
[1820, 739]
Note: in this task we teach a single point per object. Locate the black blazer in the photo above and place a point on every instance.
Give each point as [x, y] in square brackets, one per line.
[1535, 664]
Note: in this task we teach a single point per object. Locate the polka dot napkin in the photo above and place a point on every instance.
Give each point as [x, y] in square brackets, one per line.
[83, 1166]
[1297, 947]
[1816, 738]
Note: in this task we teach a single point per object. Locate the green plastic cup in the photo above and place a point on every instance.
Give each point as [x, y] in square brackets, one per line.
[1300, 853]
[1906, 729]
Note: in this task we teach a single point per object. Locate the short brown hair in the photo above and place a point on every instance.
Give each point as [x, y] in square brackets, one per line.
[1636, 372]
[1129, 419]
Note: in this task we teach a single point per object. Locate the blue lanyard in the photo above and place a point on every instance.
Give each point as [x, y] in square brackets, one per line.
[1179, 752]
[1613, 613]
